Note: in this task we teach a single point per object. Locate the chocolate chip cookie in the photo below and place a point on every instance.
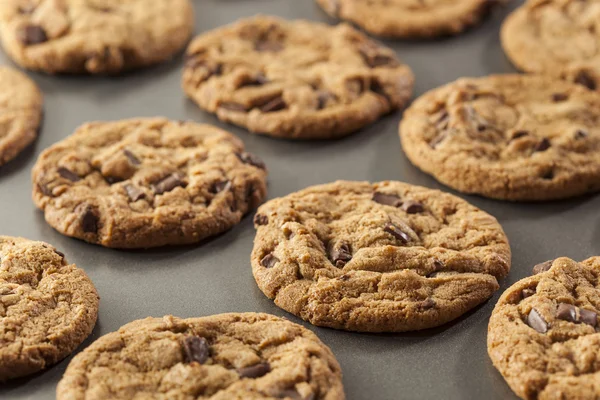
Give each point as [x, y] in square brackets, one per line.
[295, 79]
[147, 182]
[93, 36]
[383, 257]
[21, 112]
[222, 357]
[559, 38]
[512, 137]
[47, 307]
[410, 18]
[544, 335]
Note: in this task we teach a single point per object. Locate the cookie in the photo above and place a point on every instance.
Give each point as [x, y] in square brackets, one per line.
[47, 307]
[511, 137]
[383, 257]
[559, 38]
[544, 335]
[21, 108]
[410, 18]
[143, 183]
[222, 357]
[93, 36]
[294, 79]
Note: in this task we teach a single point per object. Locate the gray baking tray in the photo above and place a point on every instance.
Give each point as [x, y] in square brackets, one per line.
[449, 362]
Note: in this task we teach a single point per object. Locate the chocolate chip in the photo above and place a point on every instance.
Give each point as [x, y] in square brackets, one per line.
[374, 59]
[131, 157]
[45, 190]
[396, 232]
[269, 261]
[255, 371]
[542, 267]
[438, 139]
[60, 253]
[218, 187]
[88, 218]
[268, 46]
[558, 97]
[525, 293]
[566, 312]
[427, 304]
[536, 321]
[134, 193]
[585, 79]
[378, 89]
[261, 219]
[588, 317]
[542, 145]
[412, 207]
[581, 134]
[340, 254]
[232, 106]
[168, 183]
[249, 158]
[324, 97]
[258, 80]
[196, 349]
[387, 199]
[438, 265]
[31, 34]
[519, 134]
[68, 174]
[277, 104]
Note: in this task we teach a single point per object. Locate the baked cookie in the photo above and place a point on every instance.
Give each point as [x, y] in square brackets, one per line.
[47, 307]
[410, 18]
[295, 79]
[383, 257]
[20, 113]
[221, 357]
[511, 137]
[559, 38]
[93, 36]
[544, 334]
[143, 183]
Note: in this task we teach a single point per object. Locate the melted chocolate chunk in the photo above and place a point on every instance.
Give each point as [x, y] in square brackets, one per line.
[134, 193]
[255, 371]
[31, 34]
[87, 218]
[542, 267]
[581, 134]
[396, 232]
[566, 312]
[258, 80]
[387, 199]
[427, 304]
[249, 158]
[340, 254]
[261, 219]
[196, 349]
[277, 104]
[558, 97]
[68, 174]
[412, 207]
[519, 134]
[525, 293]
[169, 183]
[375, 60]
[536, 321]
[542, 145]
[269, 261]
[45, 190]
[588, 317]
[585, 79]
[131, 157]
[219, 187]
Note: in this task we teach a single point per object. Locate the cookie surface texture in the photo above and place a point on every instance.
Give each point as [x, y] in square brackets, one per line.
[559, 38]
[409, 18]
[383, 257]
[221, 357]
[93, 36]
[47, 307]
[295, 79]
[511, 137]
[21, 106]
[147, 182]
[544, 336]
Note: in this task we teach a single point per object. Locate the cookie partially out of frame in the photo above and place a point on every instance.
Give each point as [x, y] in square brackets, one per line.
[20, 112]
[410, 18]
[559, 38]
[94, 36]
[295, 79]
[544, 334]
[512, 137]
[47, 307]
[221, 357]
[383, 257]
[143, 183]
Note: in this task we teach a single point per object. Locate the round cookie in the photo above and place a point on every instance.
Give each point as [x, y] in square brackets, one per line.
[383, 257]
[295, 79]
[559, 38]
[47, 307]
[511, 137]
[544, 335]
[410, 18]
[228, 356]
[143, 183]
[93, 36]
[21, 113]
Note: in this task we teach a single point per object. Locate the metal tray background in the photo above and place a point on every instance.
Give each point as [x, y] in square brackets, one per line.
[449, 362]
